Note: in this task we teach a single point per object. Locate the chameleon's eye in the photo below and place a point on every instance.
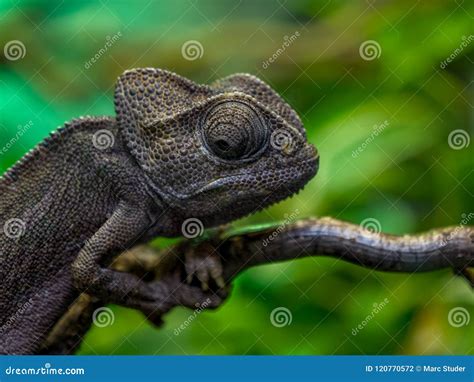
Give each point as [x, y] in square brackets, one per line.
[227, 141]
[233, 130]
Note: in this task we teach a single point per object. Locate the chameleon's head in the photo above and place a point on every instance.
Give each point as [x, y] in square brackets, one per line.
[214, 152]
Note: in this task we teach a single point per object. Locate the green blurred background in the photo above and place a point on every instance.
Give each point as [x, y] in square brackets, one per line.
[409, 177]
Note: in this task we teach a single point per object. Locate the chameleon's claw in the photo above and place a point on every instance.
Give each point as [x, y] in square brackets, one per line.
[220, 282]
[204, 264]
[202, 274]
[190, 265]
[189, 278]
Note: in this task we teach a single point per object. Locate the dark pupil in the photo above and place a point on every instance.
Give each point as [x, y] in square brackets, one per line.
[223, 145]
[228, 141]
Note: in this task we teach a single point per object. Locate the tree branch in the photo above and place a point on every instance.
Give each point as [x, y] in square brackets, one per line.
[451, 247]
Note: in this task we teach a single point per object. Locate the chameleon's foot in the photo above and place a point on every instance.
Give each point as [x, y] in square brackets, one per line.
[204, 263]
[182, 294]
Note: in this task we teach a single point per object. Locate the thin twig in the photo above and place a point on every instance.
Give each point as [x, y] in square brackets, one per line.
[451, 247]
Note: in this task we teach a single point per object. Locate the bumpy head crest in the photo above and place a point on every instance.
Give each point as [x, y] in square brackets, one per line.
[263, 93]
[192, 140]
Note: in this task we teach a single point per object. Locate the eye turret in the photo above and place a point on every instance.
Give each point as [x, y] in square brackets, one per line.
[233, 130]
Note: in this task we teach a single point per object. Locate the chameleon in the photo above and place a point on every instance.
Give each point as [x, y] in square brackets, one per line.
[176, 156]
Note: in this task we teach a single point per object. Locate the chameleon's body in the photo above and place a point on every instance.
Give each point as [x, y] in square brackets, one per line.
[175, 150]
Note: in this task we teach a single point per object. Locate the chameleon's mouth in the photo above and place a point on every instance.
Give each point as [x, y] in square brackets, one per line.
[293, 178]
[241, 202]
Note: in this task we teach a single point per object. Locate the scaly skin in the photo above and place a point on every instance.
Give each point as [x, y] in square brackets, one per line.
[176, 150]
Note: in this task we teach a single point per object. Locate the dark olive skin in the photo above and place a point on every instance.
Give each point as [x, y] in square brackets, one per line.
[100, 185]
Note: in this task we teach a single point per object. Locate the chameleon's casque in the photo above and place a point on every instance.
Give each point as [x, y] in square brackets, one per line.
[99, 185]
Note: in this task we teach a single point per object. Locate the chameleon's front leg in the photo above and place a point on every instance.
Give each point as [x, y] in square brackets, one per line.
[121, 230]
